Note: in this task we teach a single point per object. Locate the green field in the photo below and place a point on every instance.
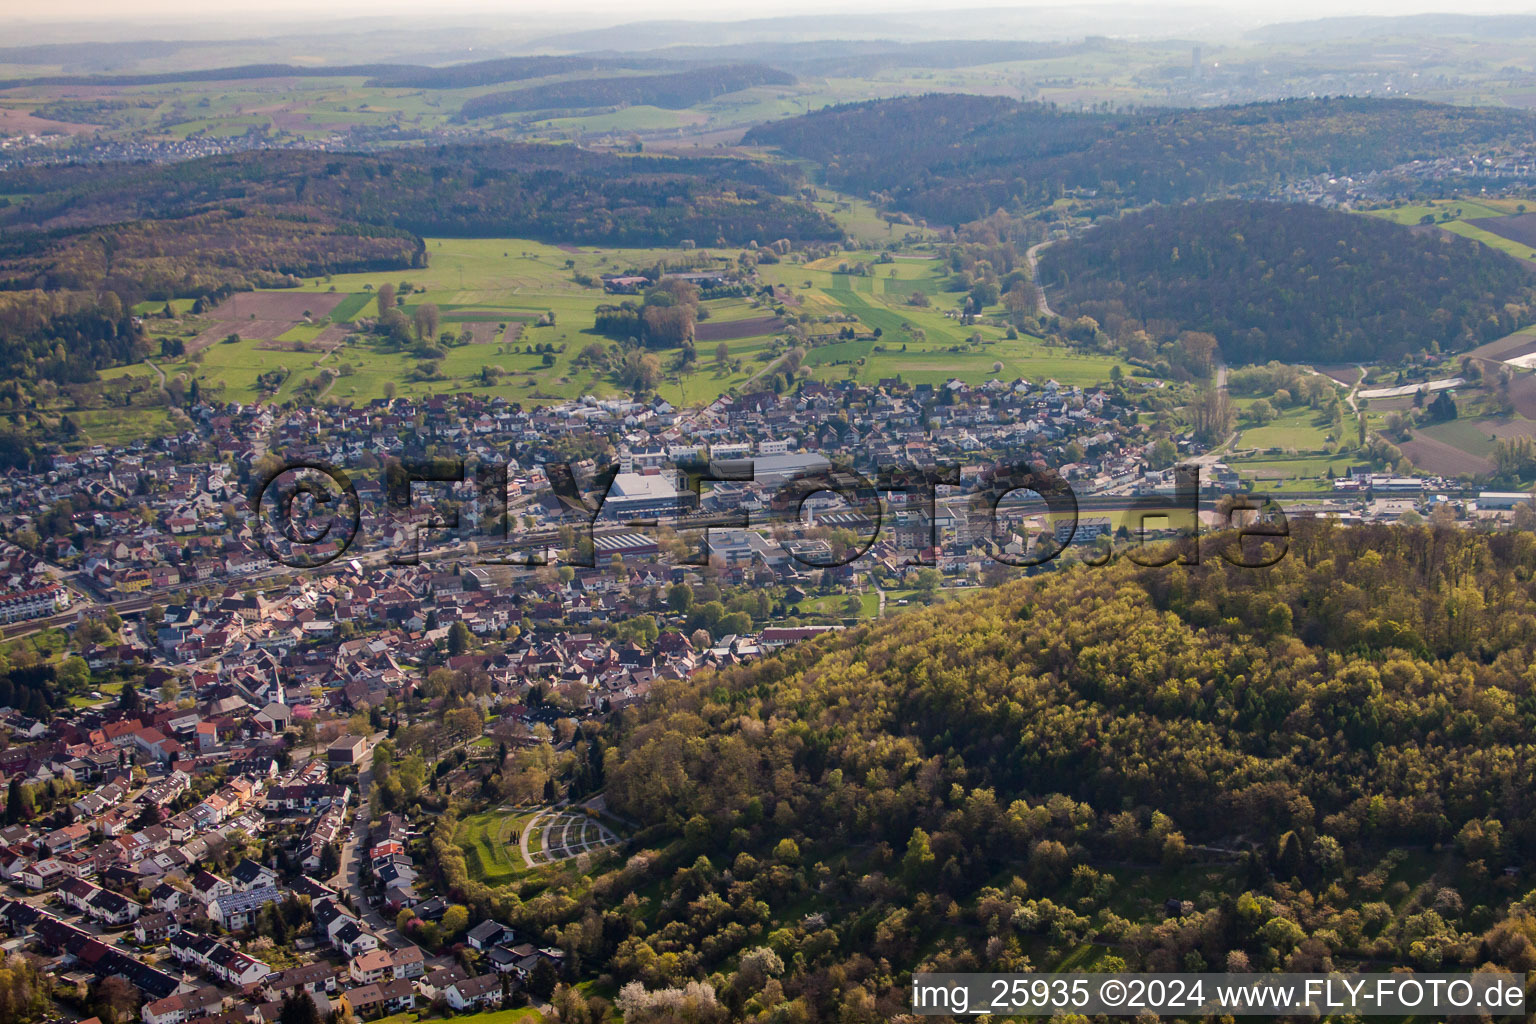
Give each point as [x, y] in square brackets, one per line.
[521, 1015]
[516, 282]
[1464, 215]
[489, 853]
[1469, 229]
[1300, 429]
[120, 426]
[869, 605]
[1292, 473]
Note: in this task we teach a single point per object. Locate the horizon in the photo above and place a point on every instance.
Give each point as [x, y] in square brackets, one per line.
[96, 20]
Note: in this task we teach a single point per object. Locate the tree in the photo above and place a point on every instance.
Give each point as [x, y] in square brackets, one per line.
[18, 802]
[425, 319]
[1164, 453]
[918, 860]
[543, 978]
[73, 674]
[926, 582]
[298, 1008]
[680, 598]
[455, 920]
[386, 298]
[722, 354]
[459, 639]
[1525, 515]
[128, 699]
[640, 371]
[1211, 416]
[115, 1000]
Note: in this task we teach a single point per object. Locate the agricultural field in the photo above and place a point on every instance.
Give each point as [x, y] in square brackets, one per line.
[529, 318]
[1501, 224]
[317, 109]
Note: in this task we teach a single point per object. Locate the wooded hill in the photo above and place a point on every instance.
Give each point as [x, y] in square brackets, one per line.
[956, 158]
[550, 193]
[989, 783]
[674, 91]
[202, 254]
[1291, 282]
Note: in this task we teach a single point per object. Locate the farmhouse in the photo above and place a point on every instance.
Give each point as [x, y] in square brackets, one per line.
[624, 284]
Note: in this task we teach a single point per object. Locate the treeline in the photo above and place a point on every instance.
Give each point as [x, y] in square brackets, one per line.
[988, 784]
[506, 69]
[202, 254]
[552, 193]
[394, 76]
[674, 91]
[64, 336]
[1288, 282]
[956, 158]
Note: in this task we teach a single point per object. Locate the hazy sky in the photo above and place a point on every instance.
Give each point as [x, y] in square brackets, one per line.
[592, 12]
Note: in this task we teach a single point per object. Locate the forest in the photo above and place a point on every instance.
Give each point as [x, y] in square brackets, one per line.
[955, 158]
[63, 336]
[550, 193]
[1289, 282]
[674, 91]
[1322, 764]
[201, 255]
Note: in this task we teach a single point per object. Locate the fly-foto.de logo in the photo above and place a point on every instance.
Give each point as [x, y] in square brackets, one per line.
[310, 513]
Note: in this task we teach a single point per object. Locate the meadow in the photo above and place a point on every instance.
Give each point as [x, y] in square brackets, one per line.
[489, 851]
[507, 291]
[1461, 217]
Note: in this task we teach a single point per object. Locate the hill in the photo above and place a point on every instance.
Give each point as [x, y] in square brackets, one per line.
[1025, 777]
[673, 91]
[957, 158]
[1290, 282]
[550, 193]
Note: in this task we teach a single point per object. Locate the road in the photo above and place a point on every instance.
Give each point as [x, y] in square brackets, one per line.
[161, 382]
[1042, 307]
[350, 873]
[1355, 389]
[1215, 454]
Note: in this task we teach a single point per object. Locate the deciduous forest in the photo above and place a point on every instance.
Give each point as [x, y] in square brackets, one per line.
[955, 158]
[1324, 763]
[1288, 281]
